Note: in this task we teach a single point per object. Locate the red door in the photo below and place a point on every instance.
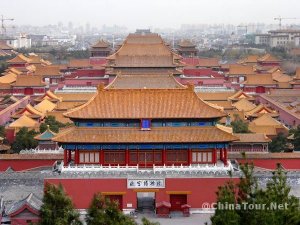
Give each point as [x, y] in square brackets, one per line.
[260, 89]
[116, 198]
[28, 91]
[177, 201]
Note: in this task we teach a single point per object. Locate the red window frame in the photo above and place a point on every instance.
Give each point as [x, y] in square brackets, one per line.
[202, 153]
[177, 157]
[85, 156]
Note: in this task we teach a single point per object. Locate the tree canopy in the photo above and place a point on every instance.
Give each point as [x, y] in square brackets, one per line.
[239, 126]
[247, 204]
[278, 144]
[102, 211]
[24, 140]
[54, 125]
[57, 208]
[296, 141]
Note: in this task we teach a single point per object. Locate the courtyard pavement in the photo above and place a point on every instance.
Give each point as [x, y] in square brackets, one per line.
[194, 219]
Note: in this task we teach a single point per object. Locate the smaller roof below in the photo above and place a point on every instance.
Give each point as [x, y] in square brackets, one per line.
[250, 59]
[49, 95]
[186, 43]
[8, 78]
[268, 58]
[261, 109]
[237, 69]
[208, 62]
[135, 135]
[20, 58]
[266, 120]
[281, 77]
[101, 44]
[52, 70]
[47, 135]
[24, 121]
[45, 106]
[31, 202]
[29, 111]
[80, 63]
[244, 105]
[259, 79]
[29, 81]
[251, 138]
[144, 81]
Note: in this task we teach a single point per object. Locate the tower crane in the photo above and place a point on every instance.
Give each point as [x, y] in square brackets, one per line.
[3, 27]
[279, 18]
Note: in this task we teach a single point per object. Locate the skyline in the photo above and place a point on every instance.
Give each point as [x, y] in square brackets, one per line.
[144, 14]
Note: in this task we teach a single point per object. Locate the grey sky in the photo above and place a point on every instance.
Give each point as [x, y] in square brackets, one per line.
[146, 13]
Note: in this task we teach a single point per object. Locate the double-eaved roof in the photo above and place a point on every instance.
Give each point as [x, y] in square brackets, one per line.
[144, 103]
[145, 81]
[144, 50]
[135, 135]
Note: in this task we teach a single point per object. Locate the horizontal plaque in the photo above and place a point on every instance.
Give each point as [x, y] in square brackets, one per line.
[145, 183]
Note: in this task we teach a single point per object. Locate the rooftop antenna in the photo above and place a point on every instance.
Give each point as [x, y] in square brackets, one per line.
[3, 26]
[279, 18]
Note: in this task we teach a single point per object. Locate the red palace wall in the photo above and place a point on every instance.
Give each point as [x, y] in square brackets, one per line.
[289, 164]
[198, 190]
[25, 164]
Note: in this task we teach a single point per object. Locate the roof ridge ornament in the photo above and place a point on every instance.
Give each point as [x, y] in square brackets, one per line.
[190, 86]
[101, 86]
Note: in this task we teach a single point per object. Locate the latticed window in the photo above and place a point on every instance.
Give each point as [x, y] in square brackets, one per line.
[89, 157]
[201, 157]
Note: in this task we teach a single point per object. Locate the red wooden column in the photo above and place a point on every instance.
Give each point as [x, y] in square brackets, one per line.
[215, 156]
[164, 156]
[189, 156]
[225, 156]
[221, 154]
[69, 156]
[127, 157]
[76, 157]
[101, 157]
[65, 157]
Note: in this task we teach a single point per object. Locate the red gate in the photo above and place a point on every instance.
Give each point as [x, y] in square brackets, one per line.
[177, 201]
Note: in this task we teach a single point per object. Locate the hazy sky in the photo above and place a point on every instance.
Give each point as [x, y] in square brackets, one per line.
[146, 13]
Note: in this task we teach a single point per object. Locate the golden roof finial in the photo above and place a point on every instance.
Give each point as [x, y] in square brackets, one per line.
[101, 86]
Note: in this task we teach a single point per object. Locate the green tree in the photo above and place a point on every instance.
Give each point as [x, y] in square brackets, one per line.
[296, 141]
[57, 208]
[104, 212]
[239, 126]
[24, 140]
[278, 144]
[277, 193]
[223, 215]
[54, 125]
[145, 221]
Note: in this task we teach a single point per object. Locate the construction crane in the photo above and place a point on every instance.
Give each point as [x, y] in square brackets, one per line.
[3, 26]
[279, 18]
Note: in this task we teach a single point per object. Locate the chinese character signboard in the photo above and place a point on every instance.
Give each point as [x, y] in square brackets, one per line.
[145, 183]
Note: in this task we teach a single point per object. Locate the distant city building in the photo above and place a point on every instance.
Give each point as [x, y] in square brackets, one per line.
[22, 41]
[279, 38]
